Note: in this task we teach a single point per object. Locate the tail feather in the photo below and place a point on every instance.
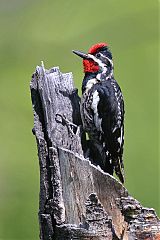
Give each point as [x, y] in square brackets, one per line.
[119, 169]
[98, 156]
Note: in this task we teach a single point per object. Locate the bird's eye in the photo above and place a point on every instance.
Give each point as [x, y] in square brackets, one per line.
[98, 55]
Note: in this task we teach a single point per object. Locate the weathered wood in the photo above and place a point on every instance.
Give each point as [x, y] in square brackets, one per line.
[78, 200]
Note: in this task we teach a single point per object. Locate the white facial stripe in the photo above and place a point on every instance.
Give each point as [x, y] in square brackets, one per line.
[97, 61]
[109, 60]
[102, 65]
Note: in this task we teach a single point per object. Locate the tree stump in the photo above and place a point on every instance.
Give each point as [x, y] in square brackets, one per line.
[78, 200]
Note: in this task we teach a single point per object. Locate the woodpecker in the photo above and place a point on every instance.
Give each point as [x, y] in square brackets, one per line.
[102, 108]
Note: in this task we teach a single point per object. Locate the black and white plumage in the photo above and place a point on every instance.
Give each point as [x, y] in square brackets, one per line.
[102, 109]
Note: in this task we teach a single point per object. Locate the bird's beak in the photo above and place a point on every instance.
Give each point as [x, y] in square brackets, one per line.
[81, 54]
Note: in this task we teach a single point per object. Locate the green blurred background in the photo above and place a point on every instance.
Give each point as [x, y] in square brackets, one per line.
[31, 31]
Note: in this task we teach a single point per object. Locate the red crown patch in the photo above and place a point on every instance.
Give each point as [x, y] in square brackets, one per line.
[95, 47]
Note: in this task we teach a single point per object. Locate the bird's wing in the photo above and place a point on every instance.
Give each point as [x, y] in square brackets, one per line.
[111, 114]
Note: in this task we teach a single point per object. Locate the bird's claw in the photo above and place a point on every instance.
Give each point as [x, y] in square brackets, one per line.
[70, 125]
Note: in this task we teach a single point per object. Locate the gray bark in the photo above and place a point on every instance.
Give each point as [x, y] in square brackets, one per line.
[78, 200]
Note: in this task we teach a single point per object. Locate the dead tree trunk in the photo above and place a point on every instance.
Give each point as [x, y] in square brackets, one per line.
[77, 199]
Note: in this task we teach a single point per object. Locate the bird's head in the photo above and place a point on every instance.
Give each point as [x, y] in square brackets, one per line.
[98, 60]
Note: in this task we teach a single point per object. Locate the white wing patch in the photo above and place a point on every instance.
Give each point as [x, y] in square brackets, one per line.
[118, 95]
[90, 83]
[120, 139]
[94, 105]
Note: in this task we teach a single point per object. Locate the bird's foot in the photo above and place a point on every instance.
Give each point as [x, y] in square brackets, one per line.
[72, 128]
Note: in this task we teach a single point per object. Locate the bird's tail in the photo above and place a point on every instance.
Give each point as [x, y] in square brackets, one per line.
[119, 168]
[98, 156]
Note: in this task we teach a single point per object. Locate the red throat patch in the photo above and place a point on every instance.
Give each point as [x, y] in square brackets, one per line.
[90, 66]
[95, 47]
